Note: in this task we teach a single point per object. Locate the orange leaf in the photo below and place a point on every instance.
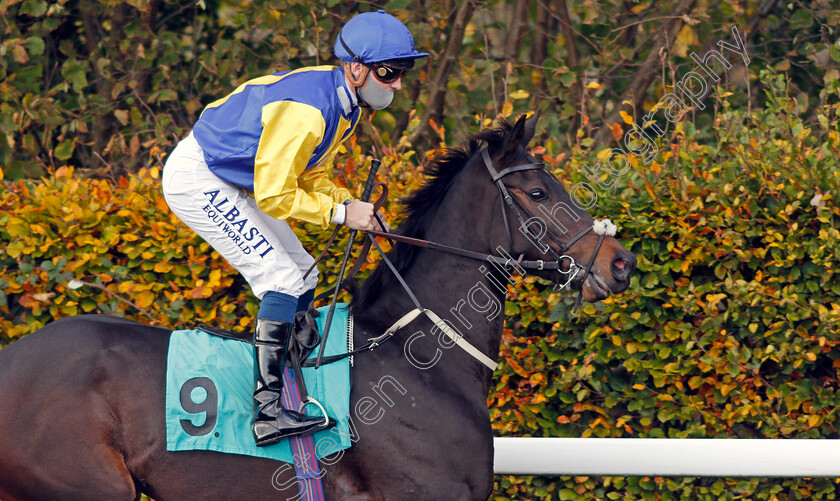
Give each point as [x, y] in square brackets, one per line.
[517, 368]
[617, 131]
[27, 301]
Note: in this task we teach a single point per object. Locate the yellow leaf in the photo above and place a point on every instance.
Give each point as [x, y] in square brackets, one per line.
[593, 85]
[638, 387]
[627, 118]
[520, 94]
[145, 299]
[163, 267]
[685, 39]
[17, 227]
[1, 173]
[507, 109]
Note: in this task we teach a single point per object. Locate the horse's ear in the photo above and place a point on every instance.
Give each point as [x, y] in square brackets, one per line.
[530, 128]
[514, 138]
[521, 133]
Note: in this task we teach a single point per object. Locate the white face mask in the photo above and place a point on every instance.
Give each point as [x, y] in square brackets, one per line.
[375, 96]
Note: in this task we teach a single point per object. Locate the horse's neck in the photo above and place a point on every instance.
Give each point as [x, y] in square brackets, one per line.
[459, 290]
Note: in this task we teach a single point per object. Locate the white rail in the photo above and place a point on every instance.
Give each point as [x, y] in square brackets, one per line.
[666, 457]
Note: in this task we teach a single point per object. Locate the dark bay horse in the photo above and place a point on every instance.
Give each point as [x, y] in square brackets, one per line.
[81, 400]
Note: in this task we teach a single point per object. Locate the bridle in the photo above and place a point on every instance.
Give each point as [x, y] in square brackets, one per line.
[601, 227]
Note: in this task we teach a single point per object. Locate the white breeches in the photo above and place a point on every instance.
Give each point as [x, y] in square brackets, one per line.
[263, 249]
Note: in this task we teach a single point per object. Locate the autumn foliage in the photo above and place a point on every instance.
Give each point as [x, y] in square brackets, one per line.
[729, 328]
[731, 325]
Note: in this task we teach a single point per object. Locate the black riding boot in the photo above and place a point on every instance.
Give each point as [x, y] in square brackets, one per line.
[272, 422]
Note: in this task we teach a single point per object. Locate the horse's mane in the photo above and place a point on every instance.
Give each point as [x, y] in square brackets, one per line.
[423, 203]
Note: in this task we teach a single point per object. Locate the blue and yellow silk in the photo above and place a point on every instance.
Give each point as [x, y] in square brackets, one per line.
[277, 135]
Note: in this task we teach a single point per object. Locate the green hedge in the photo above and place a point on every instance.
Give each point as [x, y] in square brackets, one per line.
[731, 325]
[729, 328]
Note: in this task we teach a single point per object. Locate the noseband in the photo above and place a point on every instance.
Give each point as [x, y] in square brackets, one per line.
[602, 228]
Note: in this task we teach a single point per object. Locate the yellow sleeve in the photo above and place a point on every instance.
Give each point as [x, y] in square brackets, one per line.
[291, 132]
[316, 180]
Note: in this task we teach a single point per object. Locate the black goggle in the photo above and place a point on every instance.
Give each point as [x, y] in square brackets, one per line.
[385, 73]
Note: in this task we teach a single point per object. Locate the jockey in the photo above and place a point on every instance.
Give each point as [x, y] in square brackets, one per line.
[260, 156]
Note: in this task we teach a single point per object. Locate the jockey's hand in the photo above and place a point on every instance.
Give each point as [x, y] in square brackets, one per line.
[381, 218]
[359, 216]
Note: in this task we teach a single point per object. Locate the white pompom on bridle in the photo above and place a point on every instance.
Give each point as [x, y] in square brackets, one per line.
[604, 227]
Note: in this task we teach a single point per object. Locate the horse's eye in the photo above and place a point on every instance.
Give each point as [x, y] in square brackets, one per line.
[537, 194]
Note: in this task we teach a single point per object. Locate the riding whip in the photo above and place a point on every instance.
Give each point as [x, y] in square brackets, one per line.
[374, 167]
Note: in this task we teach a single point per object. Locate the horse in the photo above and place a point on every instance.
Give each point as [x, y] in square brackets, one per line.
[81, 400]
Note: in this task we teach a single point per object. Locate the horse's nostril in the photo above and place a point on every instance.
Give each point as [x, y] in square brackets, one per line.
[620, 269]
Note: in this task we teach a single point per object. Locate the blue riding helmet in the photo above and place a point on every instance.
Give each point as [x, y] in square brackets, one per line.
[375, 37]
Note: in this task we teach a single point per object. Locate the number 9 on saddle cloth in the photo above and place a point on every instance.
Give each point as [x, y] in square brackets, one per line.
[209, 383]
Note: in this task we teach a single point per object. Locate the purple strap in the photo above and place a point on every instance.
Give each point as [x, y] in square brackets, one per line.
[303, 448]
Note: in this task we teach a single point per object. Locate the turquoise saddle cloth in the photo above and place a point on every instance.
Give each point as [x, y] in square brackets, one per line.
[209, 388]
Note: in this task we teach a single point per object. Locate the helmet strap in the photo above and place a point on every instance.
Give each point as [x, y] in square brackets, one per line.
[349, 74]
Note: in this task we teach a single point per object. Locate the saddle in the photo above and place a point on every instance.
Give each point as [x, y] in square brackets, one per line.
[305, 336]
